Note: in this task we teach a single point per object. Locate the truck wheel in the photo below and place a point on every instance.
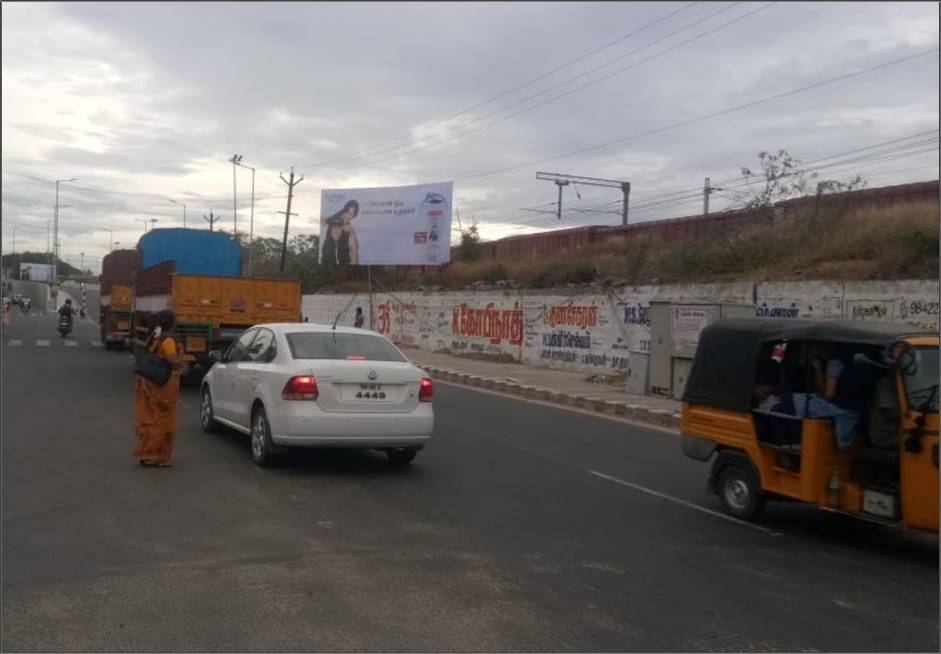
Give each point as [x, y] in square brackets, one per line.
[401, 456]
[206, 419]
[262, 447]
[739, 492]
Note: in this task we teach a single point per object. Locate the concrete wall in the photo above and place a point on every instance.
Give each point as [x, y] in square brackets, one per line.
[598, 331]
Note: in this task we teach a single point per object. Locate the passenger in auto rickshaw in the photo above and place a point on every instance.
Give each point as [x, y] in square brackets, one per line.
[840, 389]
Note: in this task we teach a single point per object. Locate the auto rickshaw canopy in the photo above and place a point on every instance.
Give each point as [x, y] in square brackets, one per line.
[724, 369]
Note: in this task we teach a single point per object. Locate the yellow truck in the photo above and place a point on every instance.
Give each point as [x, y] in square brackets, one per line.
[211, 310]
[114, 315]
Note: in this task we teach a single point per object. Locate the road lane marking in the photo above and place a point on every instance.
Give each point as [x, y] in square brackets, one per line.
[15, 341]
[677, 500]
[71, 343]
[42, 343]
[96, 343]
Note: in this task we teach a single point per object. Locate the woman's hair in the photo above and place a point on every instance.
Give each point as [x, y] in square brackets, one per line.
[338, 216]
[165, 320]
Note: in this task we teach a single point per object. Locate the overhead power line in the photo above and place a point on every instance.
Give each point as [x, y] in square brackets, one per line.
[471, 128]
[697, 119]
[877, 153]
[408, 135]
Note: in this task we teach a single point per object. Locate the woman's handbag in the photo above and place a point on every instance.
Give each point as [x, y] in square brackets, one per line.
[153, 367]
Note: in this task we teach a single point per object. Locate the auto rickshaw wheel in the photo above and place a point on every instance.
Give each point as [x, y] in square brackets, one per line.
[739, 492]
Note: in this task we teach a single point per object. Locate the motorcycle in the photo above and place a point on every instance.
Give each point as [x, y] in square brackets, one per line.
[65, 325]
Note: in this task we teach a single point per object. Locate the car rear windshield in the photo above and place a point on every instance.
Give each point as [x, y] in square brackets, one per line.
[340, 346]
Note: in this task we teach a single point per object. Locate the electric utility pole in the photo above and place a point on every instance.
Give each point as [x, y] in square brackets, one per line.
[561, 180]
[287, 214]
[211, 219]
[707, 190]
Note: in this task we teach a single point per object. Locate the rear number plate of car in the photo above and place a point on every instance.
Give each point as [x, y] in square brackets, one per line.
[363, 392]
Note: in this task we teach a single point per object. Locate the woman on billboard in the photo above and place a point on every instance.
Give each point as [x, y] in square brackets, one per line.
[340, 245]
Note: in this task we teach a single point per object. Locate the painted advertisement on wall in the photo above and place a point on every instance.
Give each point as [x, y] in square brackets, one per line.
[396, 225]
[609, 333]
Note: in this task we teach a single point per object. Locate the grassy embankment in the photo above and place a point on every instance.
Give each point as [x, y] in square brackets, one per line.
[898, 242]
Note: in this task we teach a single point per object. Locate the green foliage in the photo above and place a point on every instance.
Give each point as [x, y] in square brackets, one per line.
[469, 249]
[12, 262]
[780, 178]
[496, 273]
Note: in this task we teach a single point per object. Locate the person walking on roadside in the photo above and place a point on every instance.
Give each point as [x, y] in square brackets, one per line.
[155, 405]
[358, 319]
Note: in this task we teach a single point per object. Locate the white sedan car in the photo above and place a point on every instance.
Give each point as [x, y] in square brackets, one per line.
[301, 384]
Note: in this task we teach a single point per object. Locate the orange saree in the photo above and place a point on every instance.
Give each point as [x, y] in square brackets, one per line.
[155, 411]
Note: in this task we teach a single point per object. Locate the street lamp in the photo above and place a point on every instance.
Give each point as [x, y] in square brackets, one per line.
[184, 211]
[251, 220]
[236, 159]
[55, 241]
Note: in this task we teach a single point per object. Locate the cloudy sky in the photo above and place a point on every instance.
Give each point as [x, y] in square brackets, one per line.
[145, 102]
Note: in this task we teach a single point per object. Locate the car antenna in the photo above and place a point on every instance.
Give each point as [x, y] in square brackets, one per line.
[341, 312]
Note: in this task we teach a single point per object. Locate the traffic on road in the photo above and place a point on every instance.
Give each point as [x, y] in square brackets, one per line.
[521, 527]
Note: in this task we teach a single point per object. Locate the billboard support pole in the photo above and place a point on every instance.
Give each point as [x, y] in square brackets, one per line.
[372, 325]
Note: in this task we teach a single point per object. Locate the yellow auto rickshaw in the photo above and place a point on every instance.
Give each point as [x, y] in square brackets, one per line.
[843, 415]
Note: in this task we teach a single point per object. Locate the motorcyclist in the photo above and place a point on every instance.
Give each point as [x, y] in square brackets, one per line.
[67, 310]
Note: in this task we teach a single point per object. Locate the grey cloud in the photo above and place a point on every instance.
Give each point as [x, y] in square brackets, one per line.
[205, 80]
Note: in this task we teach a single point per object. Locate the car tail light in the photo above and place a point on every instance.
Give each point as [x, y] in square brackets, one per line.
[301, 387]
[425, 390]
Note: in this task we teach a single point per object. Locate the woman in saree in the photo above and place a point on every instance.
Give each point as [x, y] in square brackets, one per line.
[155, 405]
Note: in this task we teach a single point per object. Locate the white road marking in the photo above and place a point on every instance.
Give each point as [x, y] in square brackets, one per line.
[71, 343]
[96, 343]
[683, 502]
[42, 343]
[15, 341]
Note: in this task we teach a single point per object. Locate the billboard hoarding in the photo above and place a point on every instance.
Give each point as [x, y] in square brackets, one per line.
[396, 225]
[37, 272]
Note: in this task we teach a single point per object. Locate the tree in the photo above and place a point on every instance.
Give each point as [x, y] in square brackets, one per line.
[781, 178]
[469, 249]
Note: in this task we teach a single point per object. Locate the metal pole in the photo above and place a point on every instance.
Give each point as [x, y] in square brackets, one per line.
[369, 276]
[55, 240]
[235, 215]
[184, 215]
[559, 207]
[251, 228]
[705, 198]
[626, 190]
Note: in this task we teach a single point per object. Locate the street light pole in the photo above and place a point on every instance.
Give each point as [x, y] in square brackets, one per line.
[236, 159]
[251, 220]
[55, 243]
[184, 211]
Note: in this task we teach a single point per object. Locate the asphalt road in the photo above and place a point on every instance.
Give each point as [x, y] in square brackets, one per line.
[502, 536]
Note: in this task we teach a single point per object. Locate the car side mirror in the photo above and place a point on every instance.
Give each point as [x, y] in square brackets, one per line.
[216, 356]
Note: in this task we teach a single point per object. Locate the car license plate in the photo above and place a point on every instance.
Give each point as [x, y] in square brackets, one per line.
[364, 392]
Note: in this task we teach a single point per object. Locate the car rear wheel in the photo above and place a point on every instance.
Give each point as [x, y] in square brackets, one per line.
[206, 418]
[739, 492]
[401, 456]
[262, 447]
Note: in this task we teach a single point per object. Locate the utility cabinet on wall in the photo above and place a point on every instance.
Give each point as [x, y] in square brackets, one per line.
[674, 335]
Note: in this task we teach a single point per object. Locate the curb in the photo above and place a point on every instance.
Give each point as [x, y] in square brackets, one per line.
[625, 409]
